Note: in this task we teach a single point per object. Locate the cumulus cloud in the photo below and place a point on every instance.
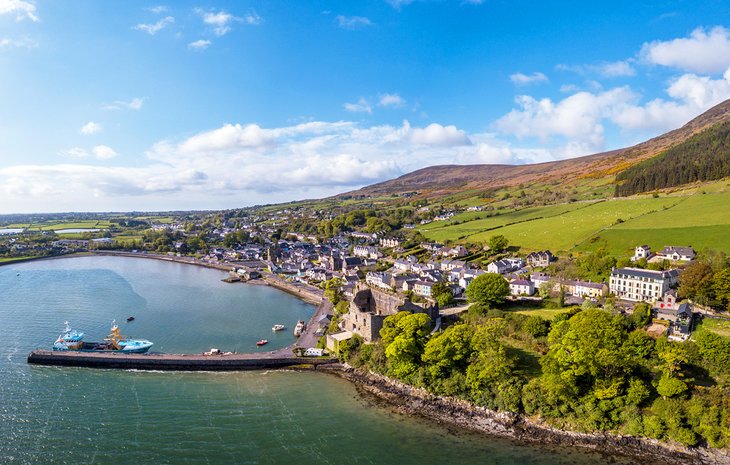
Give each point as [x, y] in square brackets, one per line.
[391, 100]
[134, 104]
[702, 52]
[104, 152]
[522, 79]
[200, 44]
[154, 28]
[691, 95]
[435, 134]
[20, 8]
[361, 106]
[577, 117]
[353, 22]
[90, 128]
[221, 21]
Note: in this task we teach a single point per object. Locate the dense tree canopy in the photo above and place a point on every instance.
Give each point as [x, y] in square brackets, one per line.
[488, 289]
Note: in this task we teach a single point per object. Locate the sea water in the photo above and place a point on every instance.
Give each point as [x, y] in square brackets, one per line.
[55, 415]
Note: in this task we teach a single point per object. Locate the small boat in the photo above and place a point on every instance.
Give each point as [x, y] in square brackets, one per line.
[262, 342]
[131, 318]
[299, 328]
[278, 327]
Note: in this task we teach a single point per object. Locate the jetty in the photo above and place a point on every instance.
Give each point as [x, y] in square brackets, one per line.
[282, 358]
[174, 362]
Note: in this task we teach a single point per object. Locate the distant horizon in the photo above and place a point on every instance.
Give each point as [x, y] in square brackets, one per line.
[152, 107]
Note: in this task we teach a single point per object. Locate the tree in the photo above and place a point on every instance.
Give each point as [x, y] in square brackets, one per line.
[641, 316]
[497, 243]
[695, 282]
[408, 339]
[442, 293]
[721, 286]
[587, 353]
[448, 351]
[488, 289]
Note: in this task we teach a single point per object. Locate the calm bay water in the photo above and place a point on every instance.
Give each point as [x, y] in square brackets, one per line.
[52, 415]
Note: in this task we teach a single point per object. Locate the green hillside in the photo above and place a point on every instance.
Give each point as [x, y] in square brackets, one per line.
[702, 157]
[684, 218]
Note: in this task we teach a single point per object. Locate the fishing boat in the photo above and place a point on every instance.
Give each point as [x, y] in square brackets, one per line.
[262, 342]
[278, 327]
[114, 342]
[70, 339]
[131, 318]
[299, 328]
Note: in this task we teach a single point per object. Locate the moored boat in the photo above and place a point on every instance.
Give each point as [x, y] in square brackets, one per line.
[73, 340]
[278, 327]
[262, 342]
[70, 339]
[299, 328]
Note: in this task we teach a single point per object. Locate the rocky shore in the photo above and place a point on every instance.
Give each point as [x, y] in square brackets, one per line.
[450, 411]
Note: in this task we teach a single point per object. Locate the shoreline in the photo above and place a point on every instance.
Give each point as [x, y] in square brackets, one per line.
[409, 400]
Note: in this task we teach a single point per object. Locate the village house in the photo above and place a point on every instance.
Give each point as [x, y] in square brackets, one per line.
[366, 251]
[379, 280]
[389, 243]
[521, 287]
[675, 254]
[540, 259]
[458, 251]
[505, 265]
[641, 251]
[423, 288]
[641, 285]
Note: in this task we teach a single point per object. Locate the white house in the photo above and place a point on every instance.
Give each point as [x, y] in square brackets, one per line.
[521, 287]
[641, 285]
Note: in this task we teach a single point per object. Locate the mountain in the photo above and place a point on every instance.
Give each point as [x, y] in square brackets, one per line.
[449, 179]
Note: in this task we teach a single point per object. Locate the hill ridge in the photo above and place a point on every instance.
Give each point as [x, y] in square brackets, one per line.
[446, 179]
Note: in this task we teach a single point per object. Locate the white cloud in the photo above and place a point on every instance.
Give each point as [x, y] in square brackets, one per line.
[353, 22]
[362, 106]
[252, 18]
[90, 128]
[616, 69]
[391, 100]
[154, 28]
[158, 9]
[701, 52]
[134, 104]
[22, 9]
[577, 117]
[200, 44]
[609, 69]
[228, 137]
[522, 79]
[435, 134]
[691, 96]
[24, 42]
[104, 152]
[221, 21]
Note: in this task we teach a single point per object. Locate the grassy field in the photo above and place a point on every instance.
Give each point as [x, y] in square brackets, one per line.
[567, 231]
[721, 327]
[547, 313]
[688, 217]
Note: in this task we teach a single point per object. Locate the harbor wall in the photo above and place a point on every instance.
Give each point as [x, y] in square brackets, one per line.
[173, 362]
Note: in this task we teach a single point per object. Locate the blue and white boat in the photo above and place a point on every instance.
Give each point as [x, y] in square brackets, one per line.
[70, 339]
[114, 342]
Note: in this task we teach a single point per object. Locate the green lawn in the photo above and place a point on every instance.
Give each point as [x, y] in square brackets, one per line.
[621, 242]
[696, 210]
[721, 327]
[547, 313]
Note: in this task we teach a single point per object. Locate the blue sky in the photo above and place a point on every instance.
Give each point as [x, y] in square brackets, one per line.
[118, 106]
